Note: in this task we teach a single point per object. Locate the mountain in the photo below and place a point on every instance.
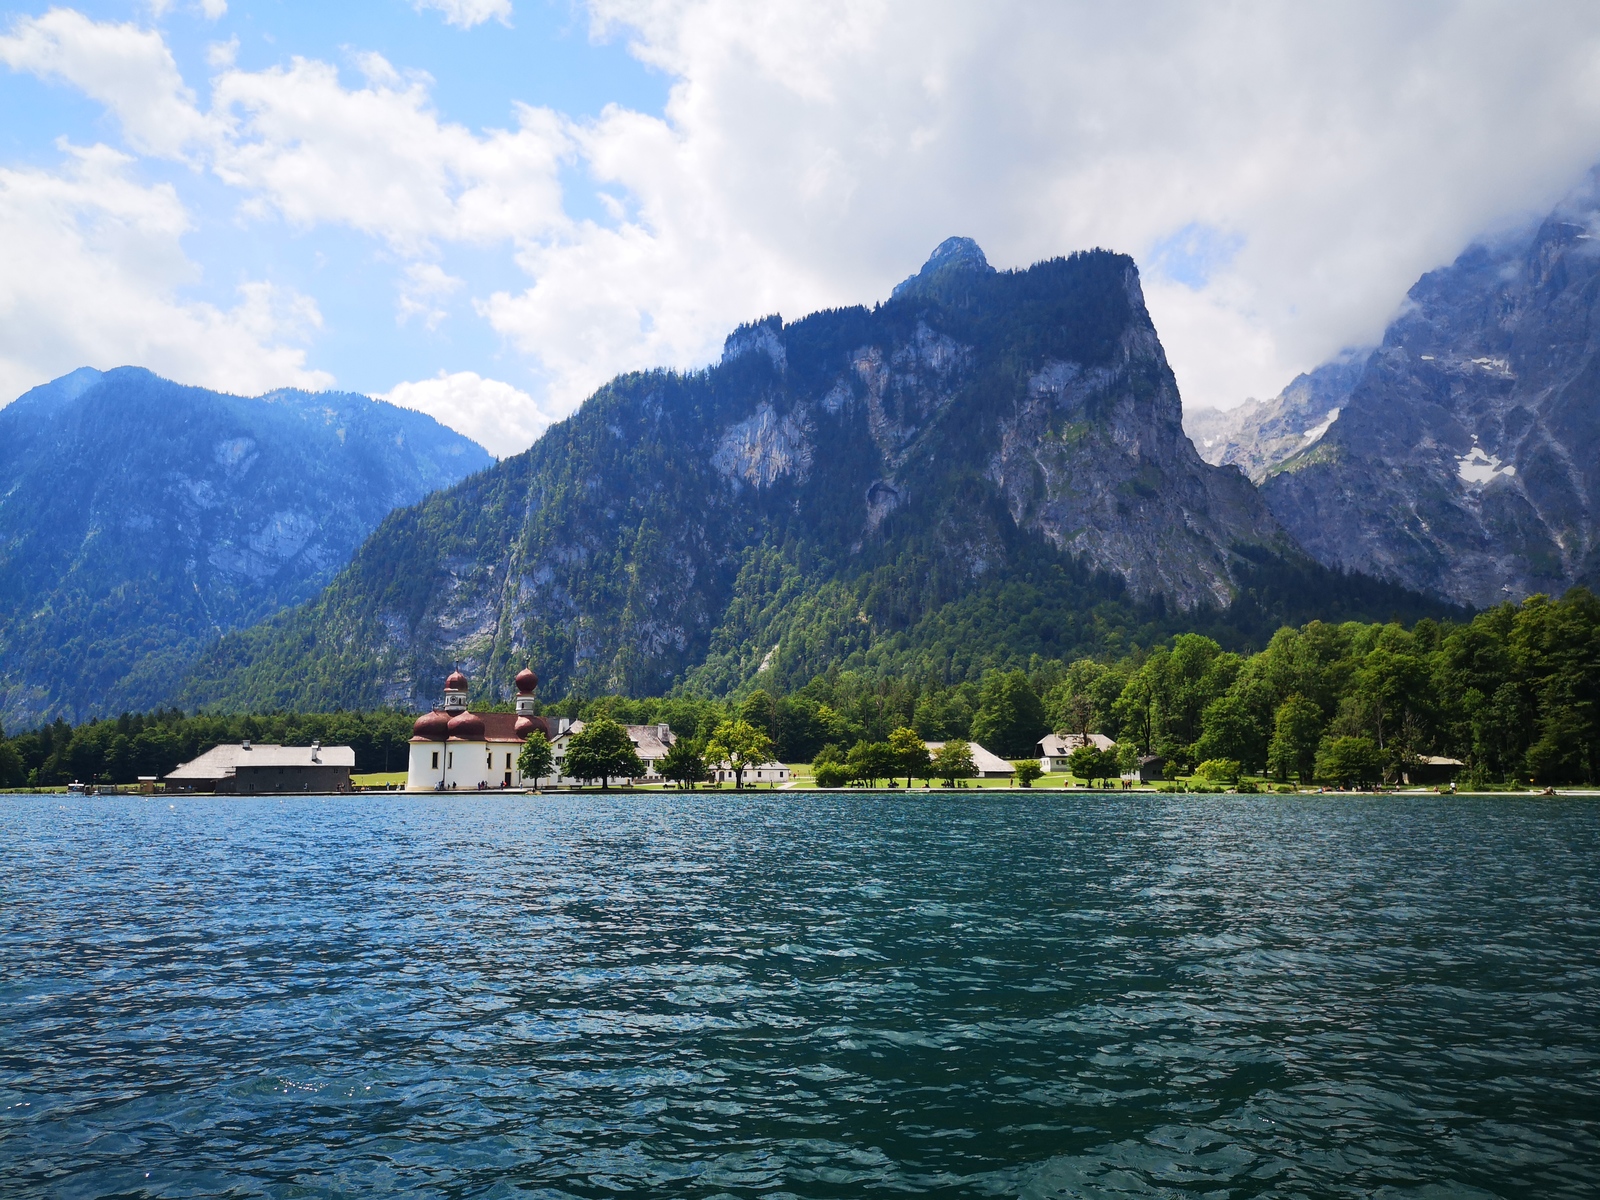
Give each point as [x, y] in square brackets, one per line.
[988, 465]
[141, 518]
[1463, 461]
[1260, 434]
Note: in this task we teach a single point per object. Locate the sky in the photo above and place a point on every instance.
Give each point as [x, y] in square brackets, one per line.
[484, 209]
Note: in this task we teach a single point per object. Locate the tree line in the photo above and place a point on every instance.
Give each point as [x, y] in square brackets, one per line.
[121, 749]
[1514, 693]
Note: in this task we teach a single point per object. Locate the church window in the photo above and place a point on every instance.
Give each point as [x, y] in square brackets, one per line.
[435, 760]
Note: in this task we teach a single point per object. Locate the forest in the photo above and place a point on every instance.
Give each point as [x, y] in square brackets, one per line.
[1512, 693]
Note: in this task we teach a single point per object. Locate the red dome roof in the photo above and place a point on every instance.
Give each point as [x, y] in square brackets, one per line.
[456, 683]
[466, 727]
[526, 681]
[526, 725]
[435, 726]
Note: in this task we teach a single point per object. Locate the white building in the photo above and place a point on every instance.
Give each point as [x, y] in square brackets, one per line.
[650, 743]
[1055, 748]
[454, 749]
[767, 772]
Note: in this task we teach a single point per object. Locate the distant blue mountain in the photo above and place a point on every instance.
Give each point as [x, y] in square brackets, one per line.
[139, 519]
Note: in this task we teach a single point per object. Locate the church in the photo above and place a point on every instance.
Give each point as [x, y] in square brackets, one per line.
[453, 748]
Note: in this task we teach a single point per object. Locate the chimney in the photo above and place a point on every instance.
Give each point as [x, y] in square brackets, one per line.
[246, 745]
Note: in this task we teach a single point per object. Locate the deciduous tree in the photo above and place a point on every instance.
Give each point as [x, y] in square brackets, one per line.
[602, 750]
[953, 762]
[910, 754]
[741, 746]
[536, 758]
[683, 764]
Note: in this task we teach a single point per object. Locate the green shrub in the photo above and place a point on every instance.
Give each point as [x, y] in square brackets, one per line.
[1245, 788]
[1219, 770]
[1284, 789]
[831, 775]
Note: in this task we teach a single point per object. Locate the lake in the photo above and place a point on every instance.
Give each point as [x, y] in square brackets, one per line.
[1053, 995]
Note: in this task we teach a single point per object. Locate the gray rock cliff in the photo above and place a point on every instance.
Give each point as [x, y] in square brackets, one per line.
[1259, 434]
[1464, 460]
[988, 465]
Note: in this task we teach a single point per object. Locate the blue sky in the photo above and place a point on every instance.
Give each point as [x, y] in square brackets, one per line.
[485, 208]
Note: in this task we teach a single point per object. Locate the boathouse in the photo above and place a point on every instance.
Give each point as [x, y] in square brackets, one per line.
[248, 770]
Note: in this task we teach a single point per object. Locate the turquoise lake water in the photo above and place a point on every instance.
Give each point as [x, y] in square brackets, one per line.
[817, 996]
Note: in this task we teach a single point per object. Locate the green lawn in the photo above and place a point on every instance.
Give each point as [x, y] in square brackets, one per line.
[379, 779]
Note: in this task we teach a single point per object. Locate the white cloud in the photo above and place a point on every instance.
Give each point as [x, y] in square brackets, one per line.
[128, 69]
[1283, 173]
[379, 159]
[424, 287]
[221, 55]
[213, 10]
[90, 273]
[467, 13]
[504, 420]
[813, 153]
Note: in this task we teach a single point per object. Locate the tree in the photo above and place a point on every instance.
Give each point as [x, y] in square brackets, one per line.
[1010, 719]
[1234, 725]
[741, 746]
[1088, 762]
[869, 762]
[683, 764]
[910, 754]
[1027, 771]
[760, 712]
[536, 758]
[1349, 760]
[953, 762]
[601, 750]
[1220, 770]
[1296, 734]
[12, 772]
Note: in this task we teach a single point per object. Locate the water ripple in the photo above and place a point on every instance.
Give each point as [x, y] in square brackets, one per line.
[1052, 996]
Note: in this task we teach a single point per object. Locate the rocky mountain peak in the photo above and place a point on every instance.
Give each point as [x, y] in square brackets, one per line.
[953, 256]
[142, 517]
[1258, 435]
[757, 337]
[1463, 460]
[1010, 442]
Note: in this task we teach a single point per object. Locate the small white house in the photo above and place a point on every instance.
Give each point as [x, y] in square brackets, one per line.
[1055, 748]
[767, 772]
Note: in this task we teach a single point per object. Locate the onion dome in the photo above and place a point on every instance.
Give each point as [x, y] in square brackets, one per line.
[456, 683]
[525, 726]
[435, 726]
[466, 727]
[526, 681]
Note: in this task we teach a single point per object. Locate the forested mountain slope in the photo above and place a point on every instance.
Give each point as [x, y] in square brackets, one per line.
[987, 466]
[139, 519]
